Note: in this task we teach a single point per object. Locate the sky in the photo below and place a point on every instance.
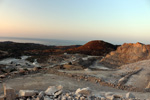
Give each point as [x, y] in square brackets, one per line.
[115, 21]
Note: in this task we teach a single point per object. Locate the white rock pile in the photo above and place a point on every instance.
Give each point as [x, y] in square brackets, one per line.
[57, 93]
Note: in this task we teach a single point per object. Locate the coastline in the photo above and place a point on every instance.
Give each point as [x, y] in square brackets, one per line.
[54, 42]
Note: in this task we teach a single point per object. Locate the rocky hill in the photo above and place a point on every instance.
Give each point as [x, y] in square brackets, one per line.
[127, 53]
[96, 47]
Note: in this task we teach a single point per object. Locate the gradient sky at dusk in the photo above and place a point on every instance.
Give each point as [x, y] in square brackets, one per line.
[115, 21]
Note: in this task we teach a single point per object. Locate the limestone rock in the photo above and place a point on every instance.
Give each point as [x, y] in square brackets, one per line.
[40, 96]
[9, 93]
[52, 89]
[109, 95]
[2, 76]
[58, 93]
[129, 95]
[2, 97]
[27, 93]
[64, 97]
[82, 98]
[87, 69]
[148, 86]
[84, 91]
[47, 98]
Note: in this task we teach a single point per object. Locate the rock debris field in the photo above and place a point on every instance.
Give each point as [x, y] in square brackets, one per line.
[57, 93]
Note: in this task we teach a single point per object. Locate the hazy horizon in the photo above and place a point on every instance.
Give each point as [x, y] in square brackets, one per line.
[56, 42]
[114, 21]
[53, 42]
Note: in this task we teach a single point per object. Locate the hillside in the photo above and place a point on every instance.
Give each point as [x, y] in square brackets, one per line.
[14, 49]
[127, 53]
[138, 74]
[96, 47]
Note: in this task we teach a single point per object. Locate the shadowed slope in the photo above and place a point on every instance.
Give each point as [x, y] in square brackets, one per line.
[96, 47]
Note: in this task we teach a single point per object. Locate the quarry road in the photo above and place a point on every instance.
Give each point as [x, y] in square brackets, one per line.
[43, 81]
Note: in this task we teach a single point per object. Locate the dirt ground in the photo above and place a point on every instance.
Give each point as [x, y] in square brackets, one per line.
[42, 81]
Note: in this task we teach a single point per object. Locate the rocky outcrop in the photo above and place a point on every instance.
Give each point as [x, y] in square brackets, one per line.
[127, 53]
[97, 47]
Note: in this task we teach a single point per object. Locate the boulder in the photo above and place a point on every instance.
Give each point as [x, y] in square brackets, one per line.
[84, 91]
[58, 93]
[103, 98]
[64, 97]
[47, 98]
[27, 93]
[148, 86]
[21, 70]
[53, 89]
[2, 97]
[87, 69]
[129, 95]
[36, 68]
[109, 95]
[122, 80]
[82, 98]
[112, 96]
[2, 76]
[9, 93]
[29, 99]
[40, 96]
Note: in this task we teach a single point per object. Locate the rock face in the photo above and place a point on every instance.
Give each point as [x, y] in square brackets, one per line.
[96, 47]
[127, 53]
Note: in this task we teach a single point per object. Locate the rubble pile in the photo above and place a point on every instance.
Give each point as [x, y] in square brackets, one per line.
[57, 93]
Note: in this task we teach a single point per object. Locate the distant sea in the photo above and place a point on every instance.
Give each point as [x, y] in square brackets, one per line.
[43, 41]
